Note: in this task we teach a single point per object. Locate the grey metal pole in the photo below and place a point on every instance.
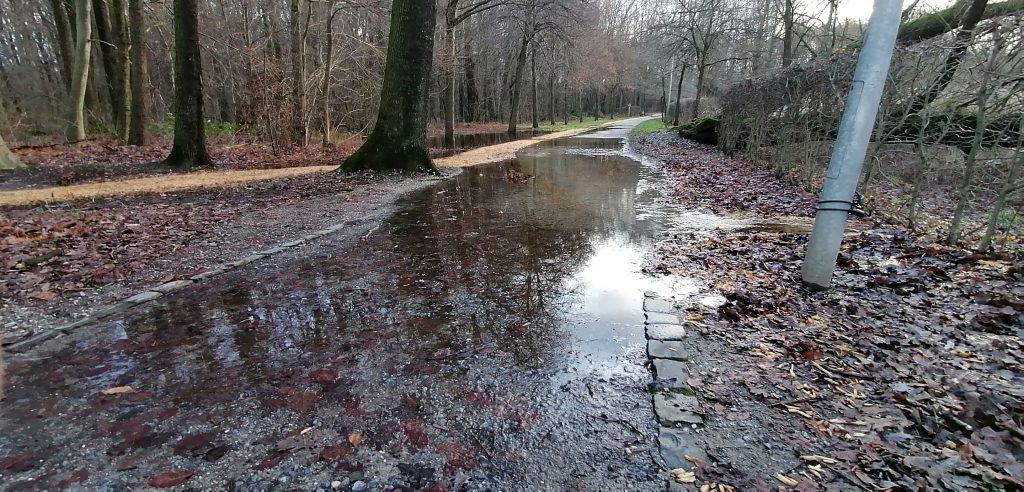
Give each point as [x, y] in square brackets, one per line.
[852, 143]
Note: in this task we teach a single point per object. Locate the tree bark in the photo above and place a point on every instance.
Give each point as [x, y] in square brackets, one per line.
[65, 50]
[551, 97]
[787, 36]
[189, 148]
[513, 114]
[533, 88]
[472, 96]
[298, 75]
[701, 72]
[450, 73]
[139, 113]
[119, 25]
[80, 75]
[679, 97]
[398, 140]
[110, 58]
[325, 87]
[8, 160]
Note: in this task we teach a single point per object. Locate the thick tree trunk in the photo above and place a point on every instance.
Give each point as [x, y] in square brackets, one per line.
[8, 160]
[551, 97]
[679, 97]
[109, 58]
[449, 89]
[298, 75]
[119, 25]
[80, 75]
[65, 50]
[325, 86]
[701, 72]
[787, 35]
[513, 114]
[398, 140]
[472, 96]
[533, 88]
[139, 114]
[189, 148]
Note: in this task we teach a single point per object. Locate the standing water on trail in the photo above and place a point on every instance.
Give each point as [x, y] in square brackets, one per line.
[490, 335]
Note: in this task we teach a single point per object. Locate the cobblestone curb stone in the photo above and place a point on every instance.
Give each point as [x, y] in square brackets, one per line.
[679, 413]
[167, 288]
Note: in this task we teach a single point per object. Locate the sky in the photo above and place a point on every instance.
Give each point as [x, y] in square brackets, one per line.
[861, 9]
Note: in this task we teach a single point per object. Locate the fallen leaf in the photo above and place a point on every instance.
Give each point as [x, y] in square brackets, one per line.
[170, 479]
[120, 390]
[44, 295]
[355, 438]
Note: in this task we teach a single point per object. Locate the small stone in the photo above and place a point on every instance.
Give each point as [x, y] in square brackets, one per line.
[677, 444]
[656, 305]
[650, 294]
[661, 318]
[359, 486]
[673, 409]
[666, 332]
[673, 371]
[658, 349]
[335, 484]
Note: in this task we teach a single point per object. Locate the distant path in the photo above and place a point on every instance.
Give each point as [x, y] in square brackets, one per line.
[211, 179]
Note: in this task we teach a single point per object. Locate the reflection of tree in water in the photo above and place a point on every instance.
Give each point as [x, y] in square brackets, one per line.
[502, 253]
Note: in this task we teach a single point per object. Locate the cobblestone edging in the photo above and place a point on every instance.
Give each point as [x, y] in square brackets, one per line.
[680, 414]
[162, 290]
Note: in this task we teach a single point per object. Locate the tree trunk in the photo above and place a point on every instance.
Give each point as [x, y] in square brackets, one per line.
[65, 50]
[472, 96]
[533, 88]
[80, 75]
[679, 97]
[8, 160]
[119, 25]
[787, 36]
[138, 125]
[325, 87]
[513, 116]
[968, 21]
[701, 71]
[398, 140]
[109, 57]
[189, 148]
[449, 79]
[298, 75]
[551, 97]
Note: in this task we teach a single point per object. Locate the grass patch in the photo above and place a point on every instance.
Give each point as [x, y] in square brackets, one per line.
[651, 126]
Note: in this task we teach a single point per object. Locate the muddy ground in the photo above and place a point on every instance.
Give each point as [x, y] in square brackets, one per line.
[906, 375]
[64, 261]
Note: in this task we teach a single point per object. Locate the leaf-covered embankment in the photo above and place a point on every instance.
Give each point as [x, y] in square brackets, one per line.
[907, 374]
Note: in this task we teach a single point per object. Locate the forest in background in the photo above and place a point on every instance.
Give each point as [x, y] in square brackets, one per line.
[765, 79]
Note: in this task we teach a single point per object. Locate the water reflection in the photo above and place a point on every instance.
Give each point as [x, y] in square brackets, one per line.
[478, 299]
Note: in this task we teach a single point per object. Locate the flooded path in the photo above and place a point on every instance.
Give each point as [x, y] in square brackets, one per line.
[488, 336]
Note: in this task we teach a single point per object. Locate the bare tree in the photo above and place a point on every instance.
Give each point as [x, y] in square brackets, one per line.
[80, 76]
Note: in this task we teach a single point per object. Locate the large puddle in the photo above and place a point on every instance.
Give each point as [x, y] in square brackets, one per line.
[489, 335]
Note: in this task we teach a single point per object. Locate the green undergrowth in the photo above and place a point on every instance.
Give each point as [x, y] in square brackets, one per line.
[650, 126]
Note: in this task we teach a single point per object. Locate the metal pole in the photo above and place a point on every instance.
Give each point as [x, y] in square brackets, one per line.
[852, 143]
